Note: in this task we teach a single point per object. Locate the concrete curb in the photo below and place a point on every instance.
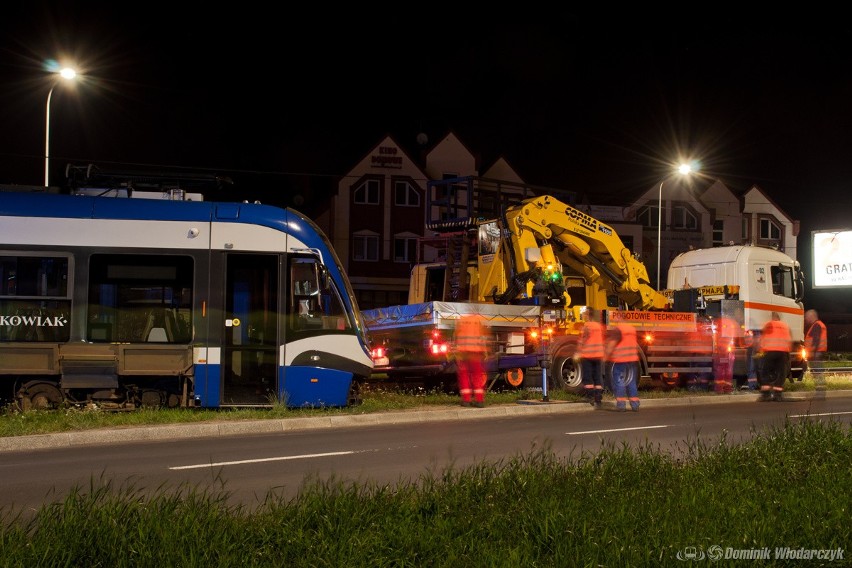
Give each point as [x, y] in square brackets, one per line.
[436, 414]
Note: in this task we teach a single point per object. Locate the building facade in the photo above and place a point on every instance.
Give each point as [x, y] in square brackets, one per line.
[706, 214]
[380, 215]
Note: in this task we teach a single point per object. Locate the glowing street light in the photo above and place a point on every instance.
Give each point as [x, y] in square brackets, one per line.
[68, 74]
[684, 170]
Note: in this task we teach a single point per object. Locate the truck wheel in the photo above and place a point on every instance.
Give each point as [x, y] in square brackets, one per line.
[670, 380]
[566, 375]
[515, 377]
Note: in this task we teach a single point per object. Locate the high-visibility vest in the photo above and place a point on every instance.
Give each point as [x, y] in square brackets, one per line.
[627, 349]
[698, 341]
[470, 335]
[592, 342]
[776, 337]
[727, 332]
[823, 338]
[728, 328]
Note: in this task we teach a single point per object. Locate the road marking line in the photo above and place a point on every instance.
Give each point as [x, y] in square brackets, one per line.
[616, 430]
[819, 414]
[281, 458]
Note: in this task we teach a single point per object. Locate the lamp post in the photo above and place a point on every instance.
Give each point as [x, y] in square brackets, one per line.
[659, 228]
[683, 169]
[68, 74]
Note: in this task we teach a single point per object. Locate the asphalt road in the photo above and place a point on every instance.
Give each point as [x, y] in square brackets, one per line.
[253, 460]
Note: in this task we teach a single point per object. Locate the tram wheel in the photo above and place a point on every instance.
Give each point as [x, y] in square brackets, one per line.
[42, 397]
[151, 399]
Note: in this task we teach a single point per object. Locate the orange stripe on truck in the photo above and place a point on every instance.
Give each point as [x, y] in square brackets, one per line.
[774, 308]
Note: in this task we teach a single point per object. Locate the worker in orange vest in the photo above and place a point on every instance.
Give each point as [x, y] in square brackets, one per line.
[471, 344]
[751, 364]
[816, 344]
[622, 349]
[726, 336]
[699, 343]
[590, 352]
[776, 341]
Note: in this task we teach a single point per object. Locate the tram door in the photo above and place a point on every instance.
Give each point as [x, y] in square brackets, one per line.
[250, 346]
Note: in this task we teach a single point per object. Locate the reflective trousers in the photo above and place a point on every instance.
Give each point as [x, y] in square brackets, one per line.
[591, 372]
[773, 373]
[471, 376]
[624, 384]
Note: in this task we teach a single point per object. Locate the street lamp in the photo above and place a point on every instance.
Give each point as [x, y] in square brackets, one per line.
[68, 74]
[683, 169]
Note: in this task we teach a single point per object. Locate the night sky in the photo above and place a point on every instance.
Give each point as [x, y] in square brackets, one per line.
[600, 103]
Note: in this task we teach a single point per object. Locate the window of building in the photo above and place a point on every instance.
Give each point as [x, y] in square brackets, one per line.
[447, 191]
[365, 246]
[769, 230]
[405, 247]
[649, 216]
[405, 194]
[444, 192]
[745, 235]
[371, 299]
[718, 233]
[454, 196]
[683, 218]
[368, 192]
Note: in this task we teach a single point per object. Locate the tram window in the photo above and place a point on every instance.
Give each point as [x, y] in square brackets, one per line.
[314, 302]
[140, 298]
[34, 298]
[42, 276]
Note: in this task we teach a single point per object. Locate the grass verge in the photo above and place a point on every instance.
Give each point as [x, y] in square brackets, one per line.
[16, 423]
[786, 489]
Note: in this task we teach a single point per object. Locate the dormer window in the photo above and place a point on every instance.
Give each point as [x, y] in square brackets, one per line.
[367, 193]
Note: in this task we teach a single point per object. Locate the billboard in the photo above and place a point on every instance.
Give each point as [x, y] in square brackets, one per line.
[832, 254]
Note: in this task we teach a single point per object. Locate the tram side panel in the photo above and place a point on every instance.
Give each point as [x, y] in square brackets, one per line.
[208, 307]
[100, 320]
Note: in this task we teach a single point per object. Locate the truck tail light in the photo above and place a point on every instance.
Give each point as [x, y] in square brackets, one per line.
[439, 348]
[378, 352]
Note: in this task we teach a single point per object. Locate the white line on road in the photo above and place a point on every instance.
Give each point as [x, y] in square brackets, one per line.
[239, 462]
[616, 430]
[820, 414]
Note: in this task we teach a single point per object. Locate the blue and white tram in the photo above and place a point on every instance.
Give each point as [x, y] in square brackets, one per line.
[123, 302]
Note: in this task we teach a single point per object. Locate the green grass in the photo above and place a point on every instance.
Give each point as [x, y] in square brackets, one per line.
[16, 423]
[618, 507]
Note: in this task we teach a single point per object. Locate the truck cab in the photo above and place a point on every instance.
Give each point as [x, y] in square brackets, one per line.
[760, 279]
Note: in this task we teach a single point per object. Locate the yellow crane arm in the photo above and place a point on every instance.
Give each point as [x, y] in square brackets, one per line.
[578, 240]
